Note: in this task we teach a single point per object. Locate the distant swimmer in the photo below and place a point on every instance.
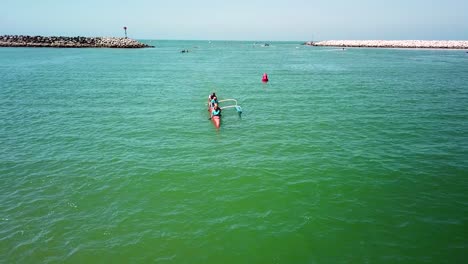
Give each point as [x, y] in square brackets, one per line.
[265, 77]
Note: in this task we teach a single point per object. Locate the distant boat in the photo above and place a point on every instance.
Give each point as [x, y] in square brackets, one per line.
[262, 44]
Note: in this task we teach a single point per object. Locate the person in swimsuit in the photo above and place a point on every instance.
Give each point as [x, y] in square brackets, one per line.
[210, 98]
[216, 116]
[213, 102]
[216, 111]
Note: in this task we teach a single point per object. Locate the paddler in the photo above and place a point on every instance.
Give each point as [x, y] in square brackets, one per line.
[216, 111]
[210, 98]
[214, 101]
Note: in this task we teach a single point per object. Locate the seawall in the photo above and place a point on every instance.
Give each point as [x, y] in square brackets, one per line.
[421, 44]
[69, 42]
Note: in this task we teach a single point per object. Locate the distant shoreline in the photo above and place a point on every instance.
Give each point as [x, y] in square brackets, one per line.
[69, 42]
[419, 44]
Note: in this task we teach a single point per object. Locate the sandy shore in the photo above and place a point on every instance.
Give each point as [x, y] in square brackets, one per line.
[427, 44]
[69, 42]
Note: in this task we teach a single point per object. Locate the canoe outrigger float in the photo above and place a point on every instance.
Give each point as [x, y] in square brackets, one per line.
[232, 103]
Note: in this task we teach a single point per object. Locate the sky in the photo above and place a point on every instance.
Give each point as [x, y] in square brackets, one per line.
[294, 20]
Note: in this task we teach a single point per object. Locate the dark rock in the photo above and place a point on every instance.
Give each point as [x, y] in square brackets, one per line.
[69, 42]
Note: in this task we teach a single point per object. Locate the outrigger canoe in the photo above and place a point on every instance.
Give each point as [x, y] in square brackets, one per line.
[233, 104]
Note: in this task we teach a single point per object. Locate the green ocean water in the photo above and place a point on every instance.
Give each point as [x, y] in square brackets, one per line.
[345, 156]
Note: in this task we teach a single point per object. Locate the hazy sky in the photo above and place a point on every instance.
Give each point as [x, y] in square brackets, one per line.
[240, 19]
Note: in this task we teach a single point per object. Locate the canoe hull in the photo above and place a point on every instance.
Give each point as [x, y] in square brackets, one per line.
[216, 121]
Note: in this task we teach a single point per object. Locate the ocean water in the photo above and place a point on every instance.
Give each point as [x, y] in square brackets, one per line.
[345, 156]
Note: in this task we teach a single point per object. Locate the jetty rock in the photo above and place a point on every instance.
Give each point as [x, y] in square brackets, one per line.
[308, 43]
[69, 42]
[419, 44]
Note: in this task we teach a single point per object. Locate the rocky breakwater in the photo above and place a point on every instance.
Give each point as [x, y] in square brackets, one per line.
[421, 44]
[69, 42]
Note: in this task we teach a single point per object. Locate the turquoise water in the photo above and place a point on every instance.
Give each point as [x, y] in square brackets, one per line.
[354, 156]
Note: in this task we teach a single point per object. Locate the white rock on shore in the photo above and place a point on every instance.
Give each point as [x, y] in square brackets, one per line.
[431, 44]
